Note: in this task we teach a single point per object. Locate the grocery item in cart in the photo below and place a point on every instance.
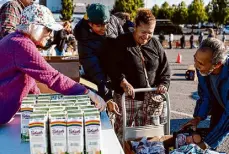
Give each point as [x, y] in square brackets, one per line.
[38, 129]
[26, 109]
[75, 134]
[58, 134]
[148, 147]
[92, 132]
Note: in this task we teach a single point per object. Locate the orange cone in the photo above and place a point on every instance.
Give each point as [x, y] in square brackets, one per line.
[179, 58]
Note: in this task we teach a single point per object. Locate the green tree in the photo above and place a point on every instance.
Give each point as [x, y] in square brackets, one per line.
[129, 6]
[196, 11]
[165, 12]
[180, 14]
[208, 10]
[219, 11]
[155, 10]
[67, 10]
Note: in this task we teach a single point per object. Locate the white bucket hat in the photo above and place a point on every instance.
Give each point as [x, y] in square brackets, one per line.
[39, 15]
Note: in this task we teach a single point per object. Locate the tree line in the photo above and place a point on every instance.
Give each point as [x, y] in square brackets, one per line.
[216, 11]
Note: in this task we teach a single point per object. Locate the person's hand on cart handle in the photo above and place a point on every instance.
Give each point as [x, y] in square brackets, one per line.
[99, 102]
[161, 89]
[127, 88]
[192, 123]
[113, 107]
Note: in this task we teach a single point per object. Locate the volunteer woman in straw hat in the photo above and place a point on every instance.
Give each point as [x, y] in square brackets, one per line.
[21, 63]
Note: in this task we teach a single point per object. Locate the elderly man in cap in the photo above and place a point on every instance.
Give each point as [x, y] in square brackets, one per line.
[212, 64]
[10, 15]
[91, 33]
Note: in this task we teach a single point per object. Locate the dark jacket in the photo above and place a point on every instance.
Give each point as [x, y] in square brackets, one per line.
[114, 28]
[126, 62]
[89, 49]
[127, 25]
[60, 39]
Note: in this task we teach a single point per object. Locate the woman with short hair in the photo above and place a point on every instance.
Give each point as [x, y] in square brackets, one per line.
[138, 61]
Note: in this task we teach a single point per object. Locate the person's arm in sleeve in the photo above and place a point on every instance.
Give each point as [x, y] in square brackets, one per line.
[93, 69]
[163, 71]
[9, 19]
[29, 61]
[202, 107]
[90, 62]
[219, 132]
[112, 58]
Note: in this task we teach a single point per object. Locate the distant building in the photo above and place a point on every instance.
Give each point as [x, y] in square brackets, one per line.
[79, 5]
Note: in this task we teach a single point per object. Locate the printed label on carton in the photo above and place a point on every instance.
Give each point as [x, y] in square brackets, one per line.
[75, 138]
[92, 134]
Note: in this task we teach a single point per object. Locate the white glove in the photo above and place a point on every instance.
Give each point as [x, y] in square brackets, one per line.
[99, 102]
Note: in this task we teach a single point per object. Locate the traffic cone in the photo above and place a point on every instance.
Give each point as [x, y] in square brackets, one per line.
[179, 58]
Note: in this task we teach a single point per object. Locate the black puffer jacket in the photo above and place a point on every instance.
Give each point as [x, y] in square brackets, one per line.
[89, 49]
[126, 62]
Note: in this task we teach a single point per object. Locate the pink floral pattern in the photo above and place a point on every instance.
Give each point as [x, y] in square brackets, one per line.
[39, 14]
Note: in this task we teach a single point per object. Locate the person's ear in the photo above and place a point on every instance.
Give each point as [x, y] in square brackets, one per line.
[218, 65]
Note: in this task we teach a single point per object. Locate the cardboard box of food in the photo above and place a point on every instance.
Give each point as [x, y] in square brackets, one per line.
[167, 140]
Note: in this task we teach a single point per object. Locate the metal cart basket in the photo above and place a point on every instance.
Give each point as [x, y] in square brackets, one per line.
[149, 130]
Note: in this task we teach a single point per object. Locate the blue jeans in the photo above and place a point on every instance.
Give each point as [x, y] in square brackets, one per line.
[59, 53]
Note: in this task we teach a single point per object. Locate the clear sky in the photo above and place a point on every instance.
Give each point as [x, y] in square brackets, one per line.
[150, 3]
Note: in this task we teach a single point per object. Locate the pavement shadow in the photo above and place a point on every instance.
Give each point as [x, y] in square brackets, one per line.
[175, 124]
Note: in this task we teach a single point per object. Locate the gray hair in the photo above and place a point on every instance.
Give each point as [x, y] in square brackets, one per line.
[218, 49]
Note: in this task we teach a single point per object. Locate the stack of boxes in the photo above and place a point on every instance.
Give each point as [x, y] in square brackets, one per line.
[59, 124]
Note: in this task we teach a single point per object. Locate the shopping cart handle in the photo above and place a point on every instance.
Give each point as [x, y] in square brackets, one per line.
[144, 90]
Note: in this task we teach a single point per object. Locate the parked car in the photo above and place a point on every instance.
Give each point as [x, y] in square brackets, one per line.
[165, 26]
[226, 29]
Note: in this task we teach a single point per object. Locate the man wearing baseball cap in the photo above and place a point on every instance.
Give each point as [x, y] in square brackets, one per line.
[91, 33]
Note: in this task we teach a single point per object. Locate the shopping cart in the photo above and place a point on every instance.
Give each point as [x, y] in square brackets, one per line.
[149, 130]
